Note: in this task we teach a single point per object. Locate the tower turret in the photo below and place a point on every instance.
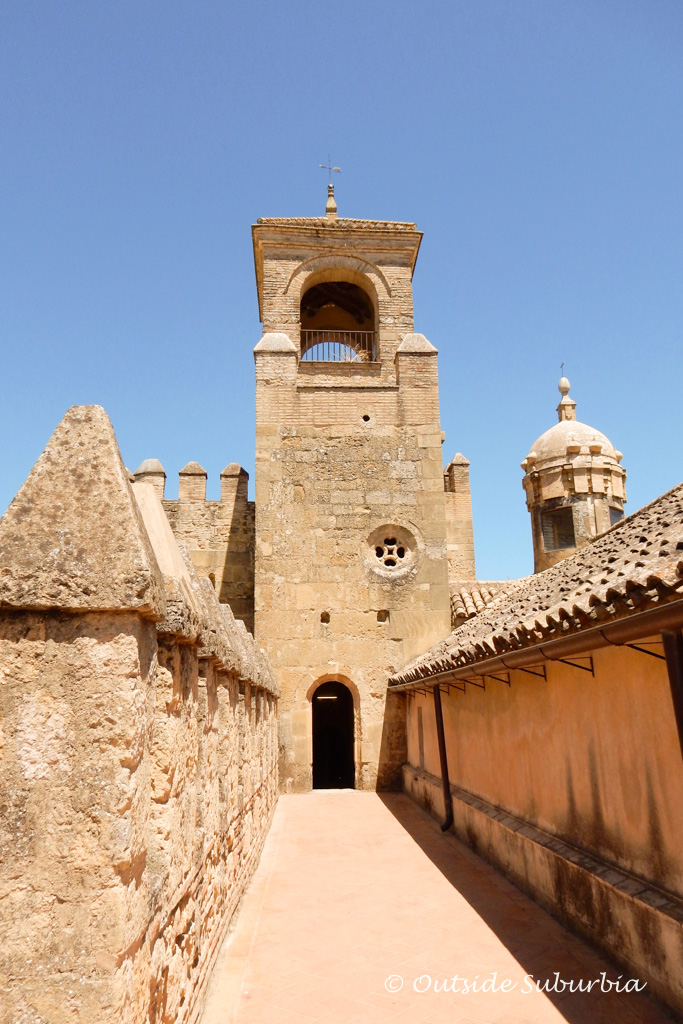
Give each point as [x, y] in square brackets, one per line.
[574, 485]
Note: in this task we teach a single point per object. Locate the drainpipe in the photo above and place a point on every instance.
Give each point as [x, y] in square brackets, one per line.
[448, 801]
[673, 652]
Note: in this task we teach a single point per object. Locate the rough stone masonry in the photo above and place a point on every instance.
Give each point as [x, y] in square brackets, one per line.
[137, 751]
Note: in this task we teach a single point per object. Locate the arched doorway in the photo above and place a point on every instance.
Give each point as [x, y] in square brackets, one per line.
[333, 764]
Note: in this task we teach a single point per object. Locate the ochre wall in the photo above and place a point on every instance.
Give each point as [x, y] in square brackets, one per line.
[571, 786]
[594, 760]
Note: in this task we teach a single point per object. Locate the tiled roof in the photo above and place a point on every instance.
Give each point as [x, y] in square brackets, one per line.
[633, 567]
[469, 597]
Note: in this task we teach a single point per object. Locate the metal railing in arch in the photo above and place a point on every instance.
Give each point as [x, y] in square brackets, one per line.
[338, 346]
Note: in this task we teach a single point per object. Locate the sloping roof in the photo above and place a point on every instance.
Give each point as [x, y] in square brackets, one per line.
[469, 597]
[635, 566]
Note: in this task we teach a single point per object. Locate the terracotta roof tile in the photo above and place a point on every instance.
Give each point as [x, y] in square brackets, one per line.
[634, 566]
[469, 597]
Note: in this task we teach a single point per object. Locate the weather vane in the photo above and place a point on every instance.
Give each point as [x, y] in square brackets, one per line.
[562, 369]
[328, 167]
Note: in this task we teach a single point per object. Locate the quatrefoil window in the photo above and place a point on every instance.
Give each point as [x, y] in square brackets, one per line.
[391, 552]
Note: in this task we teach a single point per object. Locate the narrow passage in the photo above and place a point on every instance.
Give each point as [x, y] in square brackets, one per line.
[361, 910]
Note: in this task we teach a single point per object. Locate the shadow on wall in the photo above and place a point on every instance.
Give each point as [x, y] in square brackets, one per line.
[538, 942]
[393, 751]
[237, 588]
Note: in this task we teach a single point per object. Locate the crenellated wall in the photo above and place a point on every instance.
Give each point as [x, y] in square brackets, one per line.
[138, 748]
[218, 535]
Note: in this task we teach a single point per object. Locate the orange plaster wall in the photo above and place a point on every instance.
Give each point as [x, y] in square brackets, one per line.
[593, 760]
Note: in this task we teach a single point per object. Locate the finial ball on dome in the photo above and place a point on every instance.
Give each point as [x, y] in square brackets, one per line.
[563, 386]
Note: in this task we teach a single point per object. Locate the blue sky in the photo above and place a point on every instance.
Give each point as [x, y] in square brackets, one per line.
[537, 143]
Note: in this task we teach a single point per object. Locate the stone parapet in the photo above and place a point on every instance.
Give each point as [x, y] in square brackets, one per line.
[139, 768]
[72, 537]
[150, 471]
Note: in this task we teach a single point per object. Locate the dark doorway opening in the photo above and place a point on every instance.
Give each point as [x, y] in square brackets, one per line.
[333, 764]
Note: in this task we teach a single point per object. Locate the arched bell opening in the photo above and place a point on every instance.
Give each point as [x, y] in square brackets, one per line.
[338, 323]
[333, 737]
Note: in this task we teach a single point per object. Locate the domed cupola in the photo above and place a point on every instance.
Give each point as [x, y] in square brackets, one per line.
[574, 485]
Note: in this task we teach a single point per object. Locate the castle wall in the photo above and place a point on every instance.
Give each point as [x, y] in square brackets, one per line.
[586, 814]
[138, 767]
[138, 783]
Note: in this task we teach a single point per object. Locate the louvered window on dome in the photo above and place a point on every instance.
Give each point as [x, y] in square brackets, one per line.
[557, 526]
[615, 515]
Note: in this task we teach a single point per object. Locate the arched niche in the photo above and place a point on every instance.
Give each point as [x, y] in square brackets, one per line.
[339, 303]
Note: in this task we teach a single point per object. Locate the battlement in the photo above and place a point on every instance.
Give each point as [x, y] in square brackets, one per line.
[218, 535]
[192, 482]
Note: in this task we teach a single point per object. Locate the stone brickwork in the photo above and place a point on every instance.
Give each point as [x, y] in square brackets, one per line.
[138, 769]
[295, 253]
[348, 460]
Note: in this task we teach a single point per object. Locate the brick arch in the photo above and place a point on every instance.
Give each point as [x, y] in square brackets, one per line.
[335, 677]
[337, 267]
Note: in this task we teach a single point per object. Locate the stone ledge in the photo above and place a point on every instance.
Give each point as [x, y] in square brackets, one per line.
[348, 385]
[633, 922]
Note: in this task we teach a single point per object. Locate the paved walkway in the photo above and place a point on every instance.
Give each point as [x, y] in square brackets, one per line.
[357, 893]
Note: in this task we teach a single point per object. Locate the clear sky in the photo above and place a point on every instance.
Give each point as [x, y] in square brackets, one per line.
[537, 143]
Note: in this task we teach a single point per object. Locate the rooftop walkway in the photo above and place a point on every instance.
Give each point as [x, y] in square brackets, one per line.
[360, 902]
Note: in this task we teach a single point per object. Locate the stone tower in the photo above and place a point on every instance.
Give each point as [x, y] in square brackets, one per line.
[351, 567]
[574, 485]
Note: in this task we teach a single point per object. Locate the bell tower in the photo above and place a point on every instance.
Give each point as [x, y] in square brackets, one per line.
[351, 567]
